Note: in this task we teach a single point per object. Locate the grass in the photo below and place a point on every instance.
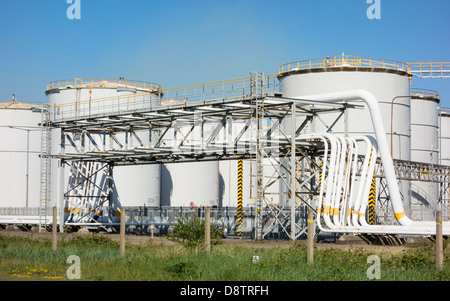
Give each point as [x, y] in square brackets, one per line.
[33, 259]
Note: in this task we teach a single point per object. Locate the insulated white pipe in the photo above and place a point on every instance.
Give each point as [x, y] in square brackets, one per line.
[331, 180]
[416, 227]
[339, 183]
[333, 186]
[331, 144]
[349, 171]
[380, 134]
[353, 180]
[362, 183]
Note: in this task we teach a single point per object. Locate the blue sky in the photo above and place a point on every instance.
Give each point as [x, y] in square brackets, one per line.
[176, 43]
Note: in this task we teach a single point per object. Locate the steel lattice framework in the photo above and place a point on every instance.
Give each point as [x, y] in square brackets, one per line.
[244, 118]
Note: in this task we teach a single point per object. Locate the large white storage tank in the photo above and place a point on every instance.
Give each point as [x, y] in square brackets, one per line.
[389, 81]
[189, 184]
[424, 148]
[19, 157]
[132, 185]
[444, 136]
[385, 79]
[273, 185]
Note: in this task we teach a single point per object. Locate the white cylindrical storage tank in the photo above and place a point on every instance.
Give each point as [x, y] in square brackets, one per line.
[424, 126]
[272, 179]
[132, 185]
[424, 148]
[388, 81]
[444, 136]
[190, 184]
[229, 171]
[144, 189]
[20, 134]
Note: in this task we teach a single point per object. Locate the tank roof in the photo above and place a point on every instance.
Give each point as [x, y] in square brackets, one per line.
[103, 83]
[18, 105]
[444, 112]
[344, 63]
[425, 94]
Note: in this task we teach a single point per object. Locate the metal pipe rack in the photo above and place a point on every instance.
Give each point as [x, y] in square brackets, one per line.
[253, 102]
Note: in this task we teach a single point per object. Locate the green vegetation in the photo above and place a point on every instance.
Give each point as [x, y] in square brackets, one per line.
[189, 231]
[33, 259]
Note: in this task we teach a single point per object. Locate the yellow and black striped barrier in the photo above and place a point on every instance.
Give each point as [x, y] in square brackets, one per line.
[240, 209]
[372, 196]
[322, 221]
[372, 201]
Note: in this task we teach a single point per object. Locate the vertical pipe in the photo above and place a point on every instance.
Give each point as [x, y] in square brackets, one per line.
[207, 229]
[28, 171]
[111, 211]
[293, 173]
[122, 232]
[346, 122]
[259, 156]
[439, 242]
[310, 242]
[218, 184]
[54, 227]
[61, 183]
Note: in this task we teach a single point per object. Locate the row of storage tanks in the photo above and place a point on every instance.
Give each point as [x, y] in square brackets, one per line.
[421, 132]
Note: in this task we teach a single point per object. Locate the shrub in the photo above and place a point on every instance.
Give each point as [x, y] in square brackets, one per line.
[189, 231]
[91, 241]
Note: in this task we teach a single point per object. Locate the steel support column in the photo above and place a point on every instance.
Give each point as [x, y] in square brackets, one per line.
[61, 182]
[293, 172]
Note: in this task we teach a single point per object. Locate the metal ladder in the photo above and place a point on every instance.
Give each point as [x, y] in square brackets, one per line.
[45, 167]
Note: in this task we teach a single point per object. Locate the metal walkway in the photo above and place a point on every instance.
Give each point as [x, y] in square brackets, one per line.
[228, 120]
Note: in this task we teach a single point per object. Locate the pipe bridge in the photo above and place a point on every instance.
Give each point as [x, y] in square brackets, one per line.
[247, 119]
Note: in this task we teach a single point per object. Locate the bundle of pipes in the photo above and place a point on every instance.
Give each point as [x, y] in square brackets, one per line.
[339, 194]
[345, 202]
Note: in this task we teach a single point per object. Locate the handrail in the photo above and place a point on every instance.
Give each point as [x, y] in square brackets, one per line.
[427, 66]
[444, 111]
[430, 69]
[226, 89]
[103, 83]
[424, 93]
[209, 84]
[20, 105]
[162, 91]
[343, 61]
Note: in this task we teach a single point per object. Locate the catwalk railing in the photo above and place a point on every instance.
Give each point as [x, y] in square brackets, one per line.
[160, 99]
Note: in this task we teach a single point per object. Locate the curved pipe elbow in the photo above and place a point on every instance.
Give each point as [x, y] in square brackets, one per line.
[380, 134]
